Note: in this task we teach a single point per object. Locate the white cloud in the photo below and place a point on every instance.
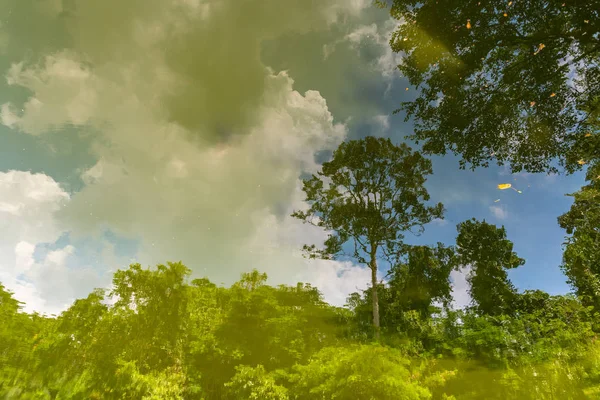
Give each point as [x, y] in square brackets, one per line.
[388, 61]
[460, 288]
[194, 153]
[7, 116]
[24, 256]
[275, 247]
[28, 202]
[27, 219]
[383, 123]
[65, 93]
[499, 212]
[374, 35]
[207, 196]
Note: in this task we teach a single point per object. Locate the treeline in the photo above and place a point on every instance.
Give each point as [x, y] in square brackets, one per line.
[158, 335]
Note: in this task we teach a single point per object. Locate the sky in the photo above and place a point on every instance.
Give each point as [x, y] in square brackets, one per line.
[150, 131]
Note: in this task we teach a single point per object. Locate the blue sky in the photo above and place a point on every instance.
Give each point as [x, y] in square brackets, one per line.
[184, 141]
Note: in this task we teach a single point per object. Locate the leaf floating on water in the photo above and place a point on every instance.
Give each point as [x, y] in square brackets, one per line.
[540, 48]
[518, 191]
[495, 201]
[406, 88]
[504, 186]
[581, 162]
[468, 24]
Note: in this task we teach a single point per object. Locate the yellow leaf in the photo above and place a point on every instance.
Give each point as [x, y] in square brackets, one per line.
[468, 24]
[540, 47]
[588, 134]
[406, 88]
[581, 162]
[505, 14]
[553, 94]
[532, 103]
[510, 3]
[504, 186]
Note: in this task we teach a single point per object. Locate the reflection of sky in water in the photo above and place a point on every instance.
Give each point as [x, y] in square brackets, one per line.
[152, 99]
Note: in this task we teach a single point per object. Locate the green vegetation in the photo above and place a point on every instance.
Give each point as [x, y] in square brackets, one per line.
[511, 81]
[369, 193]
[169, 338]
[517, 82]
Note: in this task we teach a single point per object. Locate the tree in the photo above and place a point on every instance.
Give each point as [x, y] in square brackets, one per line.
[17, 336]
[418, 280]
[368, 194]
[581, 258]
[423, 278]
[518, 81]
[485, 248]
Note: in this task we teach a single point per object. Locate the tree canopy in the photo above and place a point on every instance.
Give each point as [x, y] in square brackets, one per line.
[517, 82]
[255, 341]
[369, 194]
[486, 250]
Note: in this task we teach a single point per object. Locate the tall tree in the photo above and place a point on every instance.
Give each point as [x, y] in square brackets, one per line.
[518, 81]
[485, 248]
[368, 195]
[581, 258]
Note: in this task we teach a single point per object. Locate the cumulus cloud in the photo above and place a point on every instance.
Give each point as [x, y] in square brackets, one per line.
[27, 218]
[499, 212]
[379, 34]
[198, 144]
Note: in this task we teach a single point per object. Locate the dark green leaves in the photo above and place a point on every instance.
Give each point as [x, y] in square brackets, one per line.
[370, 193]
[519, 86]
[486, 250]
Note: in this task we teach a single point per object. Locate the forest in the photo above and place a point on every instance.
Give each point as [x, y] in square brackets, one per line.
[513, 83]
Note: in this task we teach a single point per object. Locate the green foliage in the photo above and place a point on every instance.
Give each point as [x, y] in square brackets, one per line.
[358, 372]
[423, 277]
[581, 258]
[419, 280]
[512, 81]
[485, 248]
[254, 341]
[255, 383]
[369, 194]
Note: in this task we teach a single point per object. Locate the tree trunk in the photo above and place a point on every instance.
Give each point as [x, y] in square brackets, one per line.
[373, 266]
